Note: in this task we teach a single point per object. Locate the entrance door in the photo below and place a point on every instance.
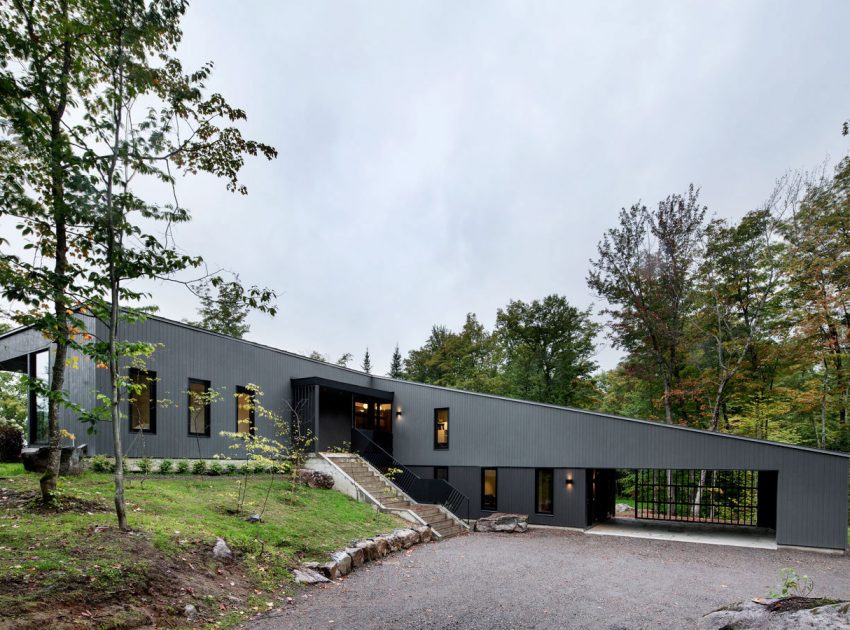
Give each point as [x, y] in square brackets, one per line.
[374, 418]
[601, 494]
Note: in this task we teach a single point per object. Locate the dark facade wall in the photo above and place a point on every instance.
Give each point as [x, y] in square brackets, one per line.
[335, 414]
[487, 431]
[186, 352]
[515, 493]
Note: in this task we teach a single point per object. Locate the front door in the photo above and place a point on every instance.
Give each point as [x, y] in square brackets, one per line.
[374, 418]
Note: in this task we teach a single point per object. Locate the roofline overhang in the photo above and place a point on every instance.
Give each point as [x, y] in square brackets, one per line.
[378, 394]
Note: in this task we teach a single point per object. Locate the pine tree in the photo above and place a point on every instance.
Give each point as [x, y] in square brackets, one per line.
[396, 370]
[345, 359]
[225, 313]
[366, 366]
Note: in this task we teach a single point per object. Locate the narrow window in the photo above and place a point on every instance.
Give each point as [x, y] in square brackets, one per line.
[441, 428]
[488, 489]
[441, 473]
[142, 399]
[544, 490]
[363, 415]
[199, 407]
[244, 411]
[39, 423]
[385, 417]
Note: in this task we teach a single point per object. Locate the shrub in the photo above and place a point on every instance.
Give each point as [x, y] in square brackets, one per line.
[230, 469]
[102, 464]
[11, 441]
[165, 466]
[199, 467]
[144, 465]
[182, 467]
[215, 469]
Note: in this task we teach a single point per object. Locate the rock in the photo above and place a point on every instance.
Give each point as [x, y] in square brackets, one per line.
[394, 542]
[408, 537]
[357, 556]
[343, 562]
[424, 533]
[623, 507]
[308, 576]
[502, 522]
[190, 611]
[34, 459]
[382, 546]
[221, 550]
[315, 479]
[370, 549]
[762, 613]
[329, 569]
[254, 518]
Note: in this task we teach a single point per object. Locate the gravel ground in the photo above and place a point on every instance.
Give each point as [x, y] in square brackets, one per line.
[552, 579]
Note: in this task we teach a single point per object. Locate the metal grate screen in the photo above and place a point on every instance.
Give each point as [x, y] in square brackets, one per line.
[726, 497]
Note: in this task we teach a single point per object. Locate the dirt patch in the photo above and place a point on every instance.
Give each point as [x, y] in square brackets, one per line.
[152, 590]
[30, 501]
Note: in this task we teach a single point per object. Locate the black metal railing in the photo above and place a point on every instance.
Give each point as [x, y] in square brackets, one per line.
[435, 491]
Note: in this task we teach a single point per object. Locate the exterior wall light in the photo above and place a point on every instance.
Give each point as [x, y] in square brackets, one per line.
[569, 481]
[398, 412]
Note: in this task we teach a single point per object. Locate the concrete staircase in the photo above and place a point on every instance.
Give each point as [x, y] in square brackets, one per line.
[389, 497]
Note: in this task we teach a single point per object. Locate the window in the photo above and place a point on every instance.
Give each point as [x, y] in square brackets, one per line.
[385, 418]
[39, 423]
[372, 415]
[142, 399]
[441, 473]
[199, 407]
[244, 411]
[441, 428]
[544, 490]
[488, 489]
[362, 415]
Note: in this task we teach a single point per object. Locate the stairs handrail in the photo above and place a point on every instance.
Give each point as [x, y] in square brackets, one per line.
[420, 490]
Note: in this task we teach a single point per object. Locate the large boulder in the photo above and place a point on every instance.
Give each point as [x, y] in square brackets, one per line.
[370, 549]
[343, 562]
[382, 546]
[788, 613]
[34, 459]
[424, 533]
[315, 479]
[408, 537]
[394, 541]
[357, 556]
[502, 522]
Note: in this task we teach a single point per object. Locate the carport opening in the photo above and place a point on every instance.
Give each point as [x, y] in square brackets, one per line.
[715, 506]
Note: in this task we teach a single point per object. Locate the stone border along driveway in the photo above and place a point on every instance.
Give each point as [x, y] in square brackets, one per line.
[548, 578]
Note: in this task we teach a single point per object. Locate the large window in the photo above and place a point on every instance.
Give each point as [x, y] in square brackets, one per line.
[199, 407]
[142, 399]
[244, 411]
[544, 491]
[441, 473]
[441, 428]
[372, 415]
[488, 489]
[39, 423]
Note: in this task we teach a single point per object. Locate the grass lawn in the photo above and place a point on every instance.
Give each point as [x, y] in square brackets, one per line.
[74, 557]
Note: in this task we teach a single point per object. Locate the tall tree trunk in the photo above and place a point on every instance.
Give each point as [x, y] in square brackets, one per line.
[115, 400]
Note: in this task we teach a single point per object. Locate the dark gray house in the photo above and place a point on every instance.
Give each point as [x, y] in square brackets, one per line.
[558, 465]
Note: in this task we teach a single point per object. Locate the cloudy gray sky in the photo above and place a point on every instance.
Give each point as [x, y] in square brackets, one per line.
[438, 158]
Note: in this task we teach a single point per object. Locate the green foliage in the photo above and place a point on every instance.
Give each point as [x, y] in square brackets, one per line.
[102, 464]
[215, 469]
[199, 467]
[183, 467]
[11, 441]
[793, 584]
[165, 466]
[396, 365]
[144, 465]
[13, 396]
[366, 366]
[227, 312]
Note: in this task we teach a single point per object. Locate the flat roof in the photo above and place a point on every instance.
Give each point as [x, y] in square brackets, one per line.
[380, 394]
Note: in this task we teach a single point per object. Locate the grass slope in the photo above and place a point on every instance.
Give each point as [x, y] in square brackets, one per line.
[61, 566]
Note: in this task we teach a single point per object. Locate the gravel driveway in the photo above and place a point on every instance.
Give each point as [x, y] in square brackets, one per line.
[552, 579]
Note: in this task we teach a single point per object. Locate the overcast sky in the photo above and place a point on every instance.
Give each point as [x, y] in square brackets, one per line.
[438, 158]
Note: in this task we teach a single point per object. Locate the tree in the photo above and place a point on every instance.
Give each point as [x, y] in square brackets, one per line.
[345, 359]
[45, 61]
[366, 366]
[182, 130]
[467, 360]
[396, 367]
[644, 271]
[549, 347]
[317, 356]
[226, 313]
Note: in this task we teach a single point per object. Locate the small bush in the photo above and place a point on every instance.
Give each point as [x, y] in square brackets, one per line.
[199, 467]
[165, 466]
[182, 467]
[102, 464]
[11, 441]
[215, 469]
[144, 465]
[230, 469]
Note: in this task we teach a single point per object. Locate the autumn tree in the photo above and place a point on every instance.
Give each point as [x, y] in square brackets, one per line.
[644, 271]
